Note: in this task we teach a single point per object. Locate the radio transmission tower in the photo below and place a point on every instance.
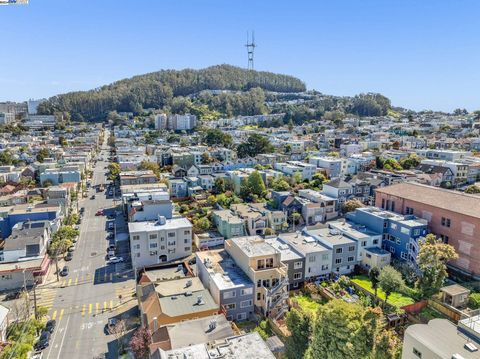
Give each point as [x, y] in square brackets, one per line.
[250, 45]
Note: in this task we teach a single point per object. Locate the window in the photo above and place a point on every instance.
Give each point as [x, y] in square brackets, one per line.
[325, 267]
[229, 294]
[186, 232]
[338, 260]
[136, 246]
[404, 230]
[375, 241]
[444, 238]
[416, 232]
[136, 237]
[351, 248]
[137, 255]
[385, 224]
[246, 291]
[241, 316]
[393, 225]
[350, 259]
[171, 234]
[297, 265]
[266, 283]
[312, 259]
[258, 296]
[186, 249]
[152, 236]
[364, 243]
[230, 306]
[325, 257]
[261, 264]
[297, 276]
[7, 277]
[392, 250]
[153, 245]
[186, 240]
[269, 263]
[259, 283]
[246, 303]
[403, 255]
[445, 222]
[417, 353]
[339, 250]
[383, 203]
[393, 206]
[162, 247]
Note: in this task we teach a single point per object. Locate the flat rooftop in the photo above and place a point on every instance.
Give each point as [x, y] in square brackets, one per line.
[286, 252]
[254, 246]
[153, 226]
[179, 305]
[303, 243]
[330, 236]
[353, 230]
[179, 286]
[448, 200]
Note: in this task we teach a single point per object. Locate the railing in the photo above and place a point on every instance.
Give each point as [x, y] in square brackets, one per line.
[281, 284]
[281, 298]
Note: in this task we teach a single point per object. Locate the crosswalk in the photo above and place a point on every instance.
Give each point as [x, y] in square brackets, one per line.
[46, 297]
[88, 278]
[124, 293]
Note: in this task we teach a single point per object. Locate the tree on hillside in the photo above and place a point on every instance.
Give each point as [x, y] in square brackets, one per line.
[255, 145]
[216, 137]
[412, 161]
[140, 343]
[342, 331]
[42, 154]
[299, 325]
[351, 205]
[432, 259]
[149, 165]
[254, 186]
[390, 280]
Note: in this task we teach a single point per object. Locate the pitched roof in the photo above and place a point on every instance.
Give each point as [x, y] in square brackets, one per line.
[448, 200]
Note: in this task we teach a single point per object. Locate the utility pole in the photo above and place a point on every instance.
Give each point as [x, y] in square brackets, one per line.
[35, 299]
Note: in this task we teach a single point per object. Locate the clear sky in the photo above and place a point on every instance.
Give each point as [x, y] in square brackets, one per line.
[422, 54]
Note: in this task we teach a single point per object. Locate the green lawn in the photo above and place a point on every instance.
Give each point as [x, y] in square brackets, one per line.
[396, 299]
[307, 304]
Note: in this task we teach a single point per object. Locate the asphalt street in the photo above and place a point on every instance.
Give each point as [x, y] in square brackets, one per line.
[93, 291]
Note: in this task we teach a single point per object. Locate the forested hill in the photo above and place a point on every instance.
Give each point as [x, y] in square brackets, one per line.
[158, 89]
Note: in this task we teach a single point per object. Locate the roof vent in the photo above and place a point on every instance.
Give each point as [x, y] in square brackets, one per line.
[188, 294]
[200, 300]
[212, 325]
[189, 283]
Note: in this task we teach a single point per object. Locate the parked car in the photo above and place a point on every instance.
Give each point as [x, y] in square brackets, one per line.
[111, 247]
[69, 257]
[114, 260]
[44, 341]
[111, 225]
[13, 295]
[64, 271]
[50, 326]
[110, 235]
[100, 212]
[37, 355]
[71, 248]
[111, 216]
[92, 196]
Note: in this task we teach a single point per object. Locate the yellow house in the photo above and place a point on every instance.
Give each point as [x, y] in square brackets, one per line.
[261, 263]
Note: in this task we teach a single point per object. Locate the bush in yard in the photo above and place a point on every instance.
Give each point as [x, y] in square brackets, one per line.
[474, 301]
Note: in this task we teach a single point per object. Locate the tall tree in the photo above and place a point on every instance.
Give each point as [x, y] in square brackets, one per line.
[341, 331]
[255, 145]
[373, 274]
[432, 259]
[390, 280]
[140, 343]
[299, 325]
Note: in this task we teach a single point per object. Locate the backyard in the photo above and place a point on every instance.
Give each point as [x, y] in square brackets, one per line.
[395, 299]
[307, 304]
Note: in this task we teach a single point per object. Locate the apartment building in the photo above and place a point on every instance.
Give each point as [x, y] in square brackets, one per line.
[137, 177]
[227, 283]
[289, 168]
[262, 264]
[162, 241]
[344, 250]
[331, 165]
[321, 209]
[452, 216]
[228, 224]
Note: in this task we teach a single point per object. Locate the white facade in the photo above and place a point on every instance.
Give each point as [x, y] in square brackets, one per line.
[162, 241]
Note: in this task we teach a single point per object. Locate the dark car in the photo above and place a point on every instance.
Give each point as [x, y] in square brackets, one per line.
[69, 256]
[64, 271]
[110, 235]
[82, 209]
[44, 341]
[12, 295]
[50, 326]
[111, 216]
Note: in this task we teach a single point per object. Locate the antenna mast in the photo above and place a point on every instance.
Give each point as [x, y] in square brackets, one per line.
[250, 45]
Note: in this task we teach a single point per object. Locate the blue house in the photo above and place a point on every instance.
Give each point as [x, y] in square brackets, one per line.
[41, 212]
[400, 234]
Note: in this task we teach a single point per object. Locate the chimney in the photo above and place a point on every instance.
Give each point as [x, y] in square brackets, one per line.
[161, 220]
[200, 300]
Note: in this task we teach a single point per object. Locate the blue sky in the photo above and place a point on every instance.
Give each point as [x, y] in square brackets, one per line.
[421, 54]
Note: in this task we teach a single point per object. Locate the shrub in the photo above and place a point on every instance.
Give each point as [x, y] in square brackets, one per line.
[474, 301]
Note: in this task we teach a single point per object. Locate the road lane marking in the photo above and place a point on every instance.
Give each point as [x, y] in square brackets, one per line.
[63, 339]
[84, 308]
[76, 281]
[111, 304]
[96, 308]
[104, 306]
[54, 315]
[61, 314]
[90, 308]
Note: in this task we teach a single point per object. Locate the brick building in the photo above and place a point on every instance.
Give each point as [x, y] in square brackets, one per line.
[452, 216]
